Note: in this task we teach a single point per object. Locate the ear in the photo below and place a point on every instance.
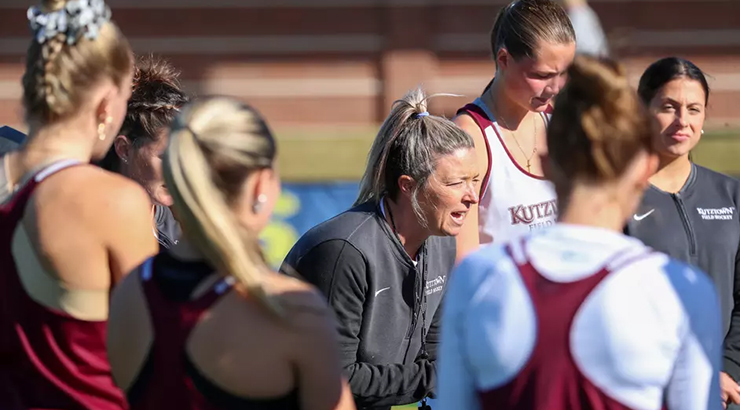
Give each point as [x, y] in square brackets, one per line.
[257, 184]
[503, 58]
[122, 145]
[406, 185]
[102, 111]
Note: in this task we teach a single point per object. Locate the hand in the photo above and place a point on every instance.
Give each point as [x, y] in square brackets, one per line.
[730, 389]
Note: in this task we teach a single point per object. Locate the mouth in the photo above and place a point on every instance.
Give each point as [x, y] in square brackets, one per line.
[459, 217]
[541, 101]
[680, 136]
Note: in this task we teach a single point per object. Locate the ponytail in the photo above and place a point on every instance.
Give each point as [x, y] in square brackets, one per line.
[197, 168]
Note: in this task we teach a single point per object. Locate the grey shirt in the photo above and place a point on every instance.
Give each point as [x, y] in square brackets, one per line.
[381, 299]
[700, 225]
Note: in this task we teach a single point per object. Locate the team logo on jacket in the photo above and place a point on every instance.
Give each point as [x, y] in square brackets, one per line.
[435, 285]
[713, 214]
[535, 215]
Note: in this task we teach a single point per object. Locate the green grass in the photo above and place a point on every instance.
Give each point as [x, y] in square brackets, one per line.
[340, 154]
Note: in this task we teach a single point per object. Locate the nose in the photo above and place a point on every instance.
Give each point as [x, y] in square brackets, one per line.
[682, 117]
[471, 195]
[555, 84]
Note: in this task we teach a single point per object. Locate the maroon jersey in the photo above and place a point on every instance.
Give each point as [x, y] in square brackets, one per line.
[49, 359]
[551, 374]
[169, 379]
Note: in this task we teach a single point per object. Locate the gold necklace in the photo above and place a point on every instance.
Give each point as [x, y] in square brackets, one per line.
[516, 140]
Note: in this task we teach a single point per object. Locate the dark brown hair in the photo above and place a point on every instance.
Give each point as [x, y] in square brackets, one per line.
[522, 24]
[666, 70]
[58, 74]
[598, 126]
[155, 100]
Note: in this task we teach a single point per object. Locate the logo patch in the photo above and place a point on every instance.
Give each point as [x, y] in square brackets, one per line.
[714, 214]
[435, 285]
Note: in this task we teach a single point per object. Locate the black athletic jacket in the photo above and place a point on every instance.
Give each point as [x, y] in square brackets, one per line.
[700, 225]
[376, 293]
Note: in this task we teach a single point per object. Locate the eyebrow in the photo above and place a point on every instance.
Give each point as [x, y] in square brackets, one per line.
[672, 101]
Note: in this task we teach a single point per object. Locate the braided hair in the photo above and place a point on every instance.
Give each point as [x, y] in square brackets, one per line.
[156, 98]
[60, 70]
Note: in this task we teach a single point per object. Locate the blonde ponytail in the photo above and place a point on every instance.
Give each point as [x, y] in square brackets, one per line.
[408, 143]
[211, 141]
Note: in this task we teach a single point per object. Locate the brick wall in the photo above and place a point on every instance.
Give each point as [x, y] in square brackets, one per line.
[316, 63]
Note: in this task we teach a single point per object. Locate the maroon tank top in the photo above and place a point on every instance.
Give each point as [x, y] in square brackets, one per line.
[49, 359]
[169, 379]
[551, 380]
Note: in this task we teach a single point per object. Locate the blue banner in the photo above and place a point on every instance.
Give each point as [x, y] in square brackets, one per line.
[300, 208]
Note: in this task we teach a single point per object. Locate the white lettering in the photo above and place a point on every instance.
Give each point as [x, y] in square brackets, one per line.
[716, 214]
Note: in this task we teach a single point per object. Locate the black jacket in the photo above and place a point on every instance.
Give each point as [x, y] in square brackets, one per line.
[376, 293]
[700, 225]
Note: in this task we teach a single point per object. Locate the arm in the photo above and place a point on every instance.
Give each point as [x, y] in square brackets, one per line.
[337, 269]
[129, 228]
[456, 381]
[468, 239]
[694, 383]
[731, 363]
[320, 382]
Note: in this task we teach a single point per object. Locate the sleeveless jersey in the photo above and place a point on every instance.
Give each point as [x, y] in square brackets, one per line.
[50, 360]
[169, 379]
[513, 201]
[579, 318]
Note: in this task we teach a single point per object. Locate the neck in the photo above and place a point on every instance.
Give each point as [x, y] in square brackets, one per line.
[507, 111]
[407, 227]
[592, 206]
[672, 173]
[53, 142]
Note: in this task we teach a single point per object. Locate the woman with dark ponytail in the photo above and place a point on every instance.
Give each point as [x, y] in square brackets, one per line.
[532, 43]
[691, 212]
[136, 152]
[579, 316]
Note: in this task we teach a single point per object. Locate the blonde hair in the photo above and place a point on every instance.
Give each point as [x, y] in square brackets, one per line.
[58, 74]
[215, 143]
[598, 126]
[409, 143]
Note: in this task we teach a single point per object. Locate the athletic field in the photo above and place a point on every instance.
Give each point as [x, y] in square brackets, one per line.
[340, 153]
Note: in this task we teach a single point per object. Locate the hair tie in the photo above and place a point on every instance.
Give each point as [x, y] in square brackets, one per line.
[422, 114]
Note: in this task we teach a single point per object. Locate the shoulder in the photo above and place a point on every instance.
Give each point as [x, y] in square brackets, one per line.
[464, 119]
[92, 187]
[338, 232]
[481, 275]
[88, 195]
[694, 288]
[718, 179]
[300, 300]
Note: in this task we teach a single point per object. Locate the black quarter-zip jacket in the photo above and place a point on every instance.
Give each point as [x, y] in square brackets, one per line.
[377, 294]
[700, 225]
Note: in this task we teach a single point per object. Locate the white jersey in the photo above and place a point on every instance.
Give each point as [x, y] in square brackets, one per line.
[514, 201]
[645, 334]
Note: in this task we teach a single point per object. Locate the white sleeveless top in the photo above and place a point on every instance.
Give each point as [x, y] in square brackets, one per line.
[514, 201]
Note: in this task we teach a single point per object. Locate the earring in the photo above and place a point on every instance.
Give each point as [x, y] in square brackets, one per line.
[702, 131]
[101, 131]
[102, 126]
[257, 206]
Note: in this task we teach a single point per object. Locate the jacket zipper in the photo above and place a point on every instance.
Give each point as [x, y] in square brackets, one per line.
[686, 224]
[417, 304]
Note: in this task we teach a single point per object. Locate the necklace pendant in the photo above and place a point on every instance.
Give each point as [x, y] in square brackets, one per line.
[528, 167]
